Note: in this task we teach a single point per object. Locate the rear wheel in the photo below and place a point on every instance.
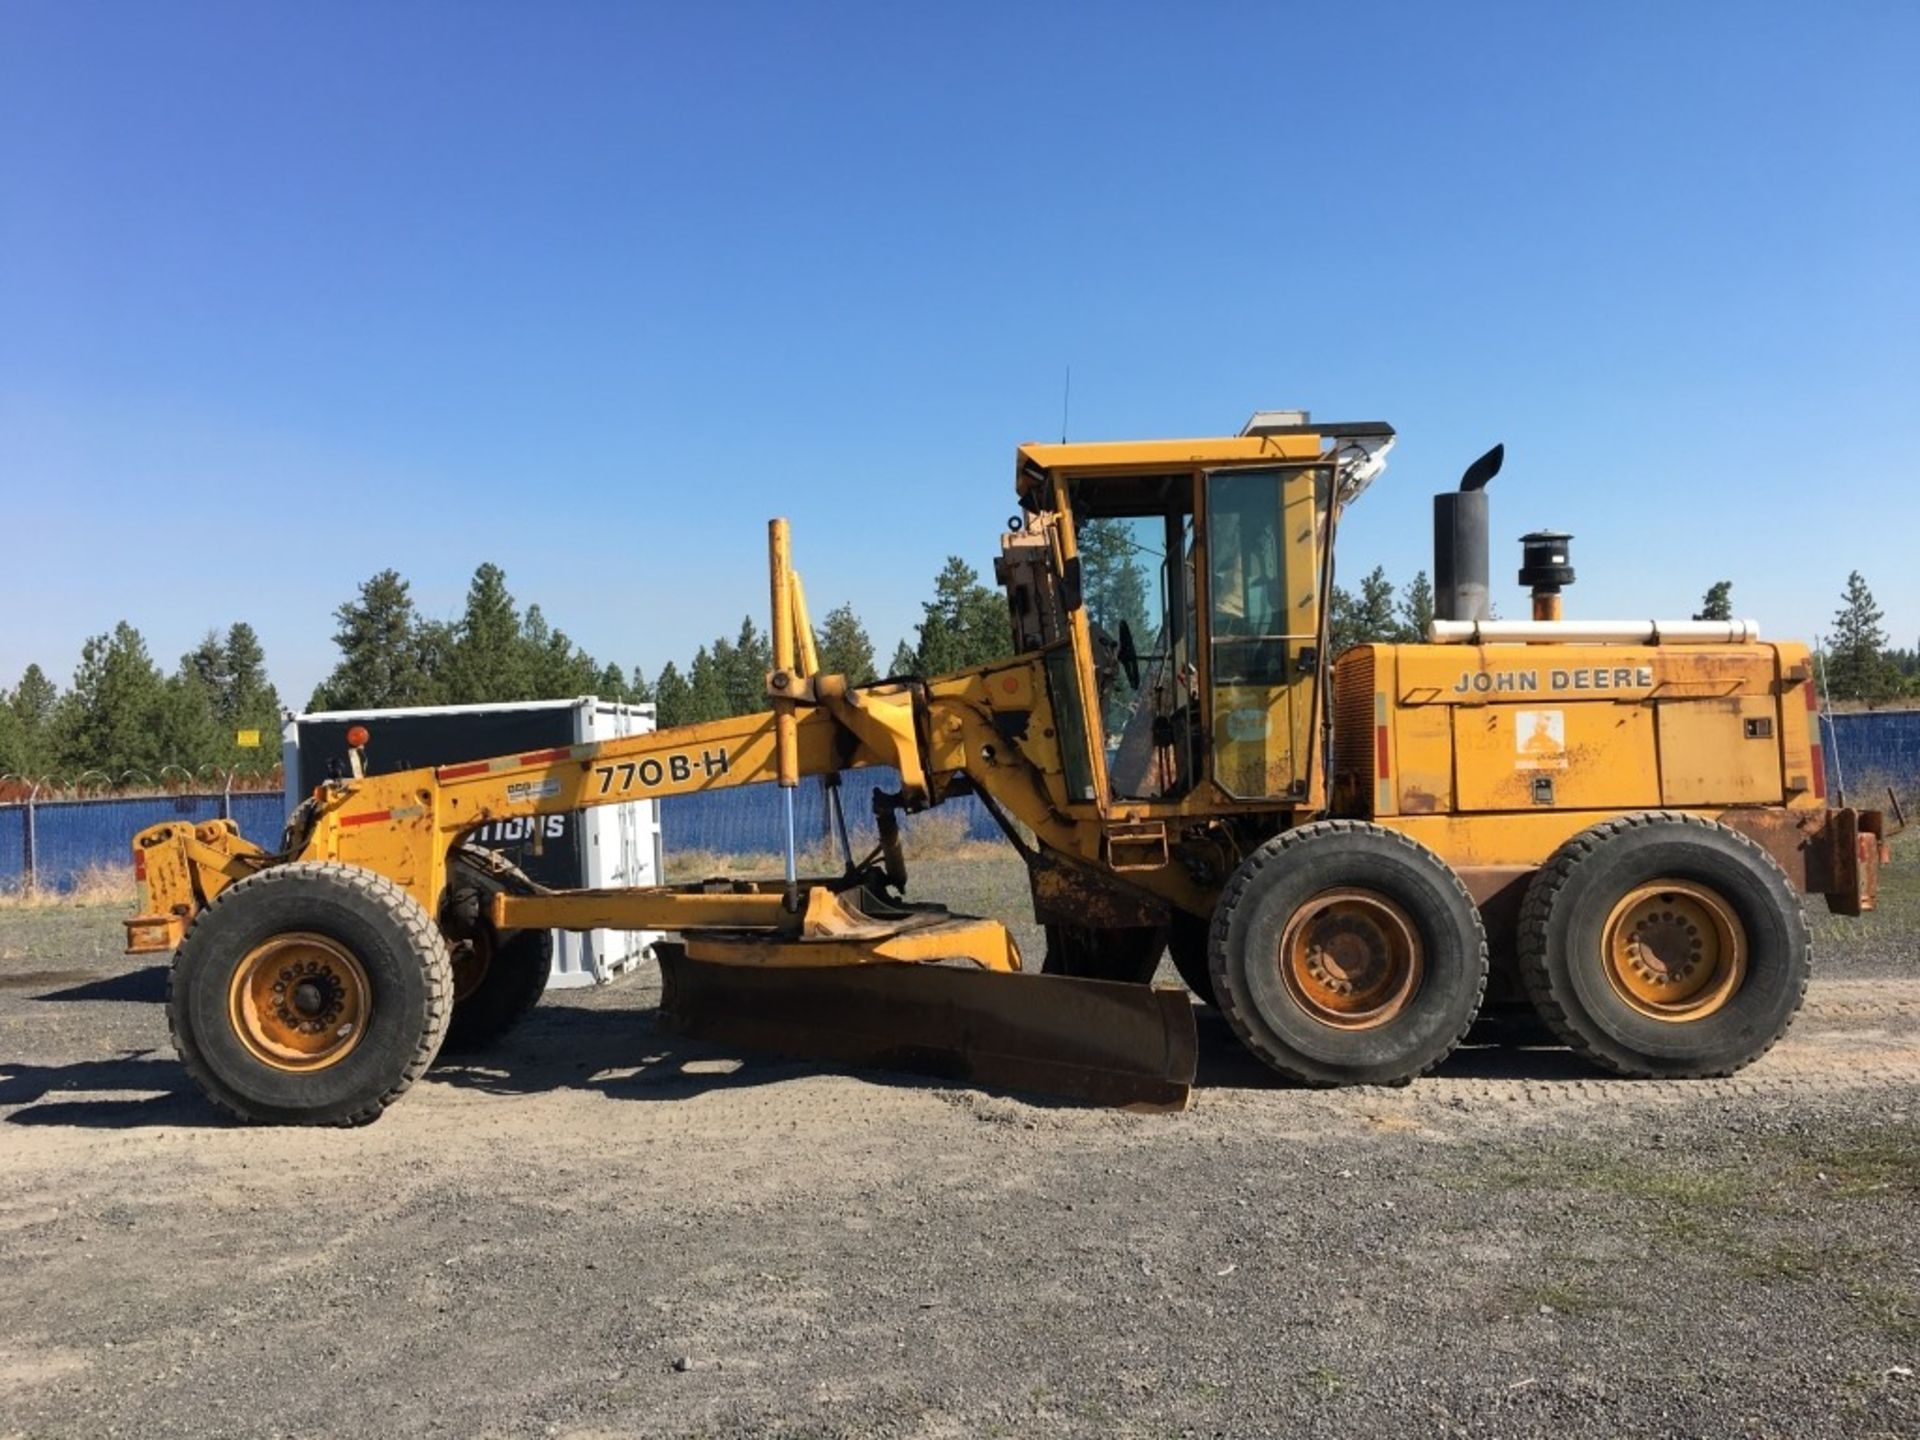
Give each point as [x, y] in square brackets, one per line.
[1664, 945]
[309, 994]
[497, 978]
[1343, 953]
[1126, 953]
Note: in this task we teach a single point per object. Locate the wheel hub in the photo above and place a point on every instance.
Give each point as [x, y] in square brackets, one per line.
[299, 1001]
[1674, 950]
[1351, 959]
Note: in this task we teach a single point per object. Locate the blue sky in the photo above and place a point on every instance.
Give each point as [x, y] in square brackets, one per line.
[291, 294]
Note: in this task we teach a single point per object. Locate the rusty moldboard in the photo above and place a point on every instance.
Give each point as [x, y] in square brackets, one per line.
[1094, 1041]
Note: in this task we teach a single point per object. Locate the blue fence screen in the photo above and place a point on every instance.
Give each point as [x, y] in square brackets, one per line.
[751, 820]
[1872, 746]
[52, 844]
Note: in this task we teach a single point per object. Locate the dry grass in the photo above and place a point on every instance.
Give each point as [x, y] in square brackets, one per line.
[96, 885]
[1870, 790]
[935, 835]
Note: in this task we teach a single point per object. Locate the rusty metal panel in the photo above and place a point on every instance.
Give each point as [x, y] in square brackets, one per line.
[1423, 760]
[1066, 893]
[1835, 853]
[1554, 756]
[1720, 751]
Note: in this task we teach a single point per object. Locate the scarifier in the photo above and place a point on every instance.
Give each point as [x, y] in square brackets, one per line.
[1350, 858]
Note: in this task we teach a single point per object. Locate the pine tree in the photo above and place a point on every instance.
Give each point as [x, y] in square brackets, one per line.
[381, 660]
[13, 746]
[672, 698]
[964, 624]
[433, 642]
[1114, 582]
[1375, 612]
[904, 662]
[1365, 618]
[190, 717]
[845, 648]
[251, 702]
[1856, 661]
[611, 683]
[1416, 609]
[206, 665]
[32, 706]
[1717, 603]
[226, 691]
[488, 662]
[1343, 625]
[707, 683]
[112, 719]
[638, 690]
[746, 664]
[186, 729]
[555, 668]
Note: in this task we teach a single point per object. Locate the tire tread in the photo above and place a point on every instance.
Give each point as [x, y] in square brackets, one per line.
[1536, 912]
[1272, 852]
[377, 890]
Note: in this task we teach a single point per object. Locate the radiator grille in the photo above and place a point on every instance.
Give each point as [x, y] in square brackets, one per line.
[1353, 722]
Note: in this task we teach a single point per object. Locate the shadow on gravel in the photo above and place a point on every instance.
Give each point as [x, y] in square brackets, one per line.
[624, 1055]
[147, 986]
[40, 1089]
[1225, 1064]
[620, 1053]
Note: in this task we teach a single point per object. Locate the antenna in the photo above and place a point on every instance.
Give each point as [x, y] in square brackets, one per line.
[1833, 726]
[1066, 400]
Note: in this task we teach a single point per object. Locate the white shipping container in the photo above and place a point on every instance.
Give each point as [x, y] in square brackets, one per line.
[602, 847]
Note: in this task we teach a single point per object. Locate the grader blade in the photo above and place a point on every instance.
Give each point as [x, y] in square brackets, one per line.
[1095, 1041]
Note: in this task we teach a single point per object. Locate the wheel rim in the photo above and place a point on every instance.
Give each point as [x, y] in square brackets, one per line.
[1351, 959]
[1674, 950]
[471, 960]
[300, 1002]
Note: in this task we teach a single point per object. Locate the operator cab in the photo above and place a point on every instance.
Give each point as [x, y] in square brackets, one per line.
[1177, 593]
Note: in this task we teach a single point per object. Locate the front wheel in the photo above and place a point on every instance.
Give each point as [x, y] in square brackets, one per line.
[309, 994]
[1664, 945]
[1344, 953]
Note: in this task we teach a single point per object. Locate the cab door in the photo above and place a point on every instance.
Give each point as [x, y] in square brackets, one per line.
[1263, 610]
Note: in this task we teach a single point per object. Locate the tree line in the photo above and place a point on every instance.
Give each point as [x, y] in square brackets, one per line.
[390, 656]
[124, 718]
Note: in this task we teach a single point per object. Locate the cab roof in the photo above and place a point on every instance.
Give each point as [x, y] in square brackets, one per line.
[1282, 443]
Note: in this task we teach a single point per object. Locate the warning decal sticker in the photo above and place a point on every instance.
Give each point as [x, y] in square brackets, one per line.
[1540, 739]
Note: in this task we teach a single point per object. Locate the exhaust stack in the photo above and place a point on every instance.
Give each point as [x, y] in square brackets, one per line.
[1460, 566]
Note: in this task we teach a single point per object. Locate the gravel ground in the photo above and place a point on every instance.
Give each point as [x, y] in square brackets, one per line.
[605, 1231]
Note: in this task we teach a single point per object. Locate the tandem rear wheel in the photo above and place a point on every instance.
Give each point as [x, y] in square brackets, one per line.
[1664, 945]
[310, 994]
[1343, 953]
[498, 977]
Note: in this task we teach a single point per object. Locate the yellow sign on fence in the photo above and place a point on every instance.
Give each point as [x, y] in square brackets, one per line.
[247, 739]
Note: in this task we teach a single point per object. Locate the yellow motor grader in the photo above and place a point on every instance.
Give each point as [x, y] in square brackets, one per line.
[1615, 821]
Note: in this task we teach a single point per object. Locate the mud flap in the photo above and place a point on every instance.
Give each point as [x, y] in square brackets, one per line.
[1095, 1041]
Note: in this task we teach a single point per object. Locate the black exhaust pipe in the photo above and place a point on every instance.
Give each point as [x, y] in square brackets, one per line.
[1460, 562]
